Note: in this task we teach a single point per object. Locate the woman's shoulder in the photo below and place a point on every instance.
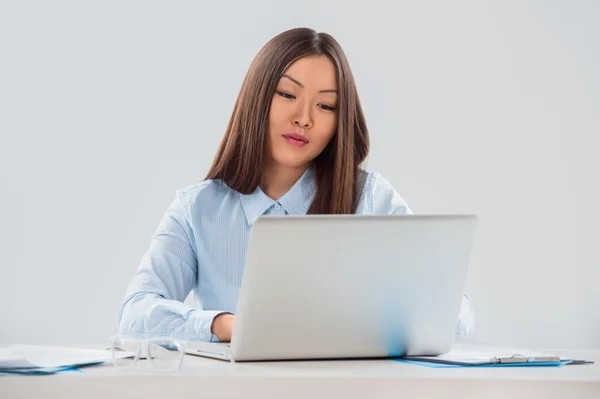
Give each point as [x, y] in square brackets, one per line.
[205, 191]
[374, 182]
[379, 195]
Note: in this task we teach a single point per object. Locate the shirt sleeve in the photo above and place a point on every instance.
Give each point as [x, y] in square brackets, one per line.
[153, 304]
[385, 200]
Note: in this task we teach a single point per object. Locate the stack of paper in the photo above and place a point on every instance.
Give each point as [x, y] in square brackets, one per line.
[34, 359]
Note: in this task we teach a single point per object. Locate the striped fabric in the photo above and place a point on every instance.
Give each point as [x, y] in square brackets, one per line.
[200, 245]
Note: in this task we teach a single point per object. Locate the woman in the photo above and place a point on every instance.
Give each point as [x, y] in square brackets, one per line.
[294, 145]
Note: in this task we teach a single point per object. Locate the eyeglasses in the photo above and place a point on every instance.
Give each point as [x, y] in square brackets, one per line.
[165, 354]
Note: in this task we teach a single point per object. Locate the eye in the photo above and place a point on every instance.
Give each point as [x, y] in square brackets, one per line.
[285, 95]
[326, 107]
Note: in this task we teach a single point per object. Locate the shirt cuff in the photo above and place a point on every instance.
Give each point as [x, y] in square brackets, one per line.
[466, 319]
[199, 324]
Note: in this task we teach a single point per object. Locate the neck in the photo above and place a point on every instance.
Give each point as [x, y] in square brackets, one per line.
[278, 180]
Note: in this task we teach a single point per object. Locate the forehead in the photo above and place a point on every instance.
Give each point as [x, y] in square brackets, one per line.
[315, 71]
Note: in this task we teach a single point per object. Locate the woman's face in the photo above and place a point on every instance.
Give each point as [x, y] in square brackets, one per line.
[303, 114]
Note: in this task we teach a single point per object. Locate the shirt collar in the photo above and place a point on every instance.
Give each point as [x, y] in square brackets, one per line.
[296, 201]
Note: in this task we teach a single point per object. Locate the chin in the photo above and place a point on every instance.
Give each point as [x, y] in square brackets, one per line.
[293, 162]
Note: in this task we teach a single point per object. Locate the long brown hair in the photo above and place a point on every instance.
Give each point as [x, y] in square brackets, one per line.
[239, 160]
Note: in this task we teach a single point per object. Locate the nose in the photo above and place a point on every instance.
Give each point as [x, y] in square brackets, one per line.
[302, 125]
[303, 118]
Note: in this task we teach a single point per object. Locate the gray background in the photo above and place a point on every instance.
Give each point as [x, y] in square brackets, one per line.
[106, 108]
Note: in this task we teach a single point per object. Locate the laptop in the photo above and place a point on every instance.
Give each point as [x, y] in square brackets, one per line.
[349, 287]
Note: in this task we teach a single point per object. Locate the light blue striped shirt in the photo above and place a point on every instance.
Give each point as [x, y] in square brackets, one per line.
[200, 245]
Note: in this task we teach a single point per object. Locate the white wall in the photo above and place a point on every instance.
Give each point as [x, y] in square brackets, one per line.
[488, 107]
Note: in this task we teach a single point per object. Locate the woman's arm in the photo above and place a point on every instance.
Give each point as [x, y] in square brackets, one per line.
[153, 305]
[385, 200]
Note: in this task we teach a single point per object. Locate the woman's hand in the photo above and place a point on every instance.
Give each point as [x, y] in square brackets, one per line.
[222, 326]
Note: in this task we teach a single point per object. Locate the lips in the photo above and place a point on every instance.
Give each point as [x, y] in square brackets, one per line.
[295, 139]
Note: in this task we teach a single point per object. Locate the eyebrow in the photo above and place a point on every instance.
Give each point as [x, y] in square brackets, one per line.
[302, 86]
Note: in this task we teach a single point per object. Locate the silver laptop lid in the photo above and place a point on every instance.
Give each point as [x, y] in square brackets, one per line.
[349, 286]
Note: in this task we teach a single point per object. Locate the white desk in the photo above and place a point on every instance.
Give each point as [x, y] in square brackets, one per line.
[207, 378]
